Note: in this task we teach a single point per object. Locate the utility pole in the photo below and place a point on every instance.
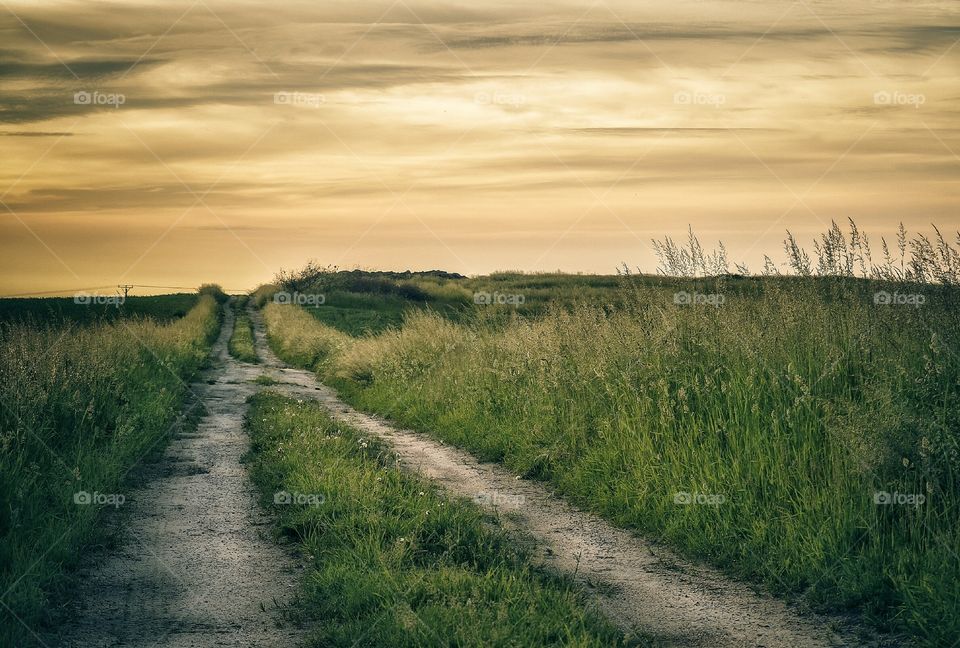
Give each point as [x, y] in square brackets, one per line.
[126, 289]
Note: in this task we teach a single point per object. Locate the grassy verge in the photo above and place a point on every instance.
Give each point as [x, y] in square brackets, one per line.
[241, 344]
[79, 407]
[799, 433]
[394, 563]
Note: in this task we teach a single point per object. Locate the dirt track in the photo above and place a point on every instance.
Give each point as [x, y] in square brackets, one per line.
[637, 584]
[197, 567]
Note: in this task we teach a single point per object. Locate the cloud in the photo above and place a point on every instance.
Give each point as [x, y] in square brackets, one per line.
[35, 134]
[480, 119]
[84, 69]
[646, 130]
[616, 32]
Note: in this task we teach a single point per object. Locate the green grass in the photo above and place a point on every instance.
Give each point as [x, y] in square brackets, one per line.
[362, 303]
[56, 311]
[241, 344]
[392, 561]
[80, 406]
[362, 314]
[798, 400]
[360, 308]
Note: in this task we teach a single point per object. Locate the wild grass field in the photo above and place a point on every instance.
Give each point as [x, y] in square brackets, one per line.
[802, 430]
[85, 309]
[391, 560]
[80, 405]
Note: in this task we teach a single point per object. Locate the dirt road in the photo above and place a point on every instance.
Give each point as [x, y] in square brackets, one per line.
[637, 584]
[196, 565]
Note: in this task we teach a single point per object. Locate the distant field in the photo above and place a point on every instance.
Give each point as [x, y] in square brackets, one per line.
[803, 431]
[359, 303]
[53, 310]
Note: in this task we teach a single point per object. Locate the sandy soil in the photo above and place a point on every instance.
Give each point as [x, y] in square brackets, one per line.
[639, 585]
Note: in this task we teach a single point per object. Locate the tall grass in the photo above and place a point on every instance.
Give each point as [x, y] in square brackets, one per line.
[299, 338]
[766, 433]
[79, 407]
[917, 259]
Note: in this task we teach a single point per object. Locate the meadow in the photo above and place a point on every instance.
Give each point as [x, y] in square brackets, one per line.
[83, 399]
[392, 561]
[48, 311]
[799, 430]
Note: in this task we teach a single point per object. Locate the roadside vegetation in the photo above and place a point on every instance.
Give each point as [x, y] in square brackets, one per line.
[392, 562]
[241, 345]
[800, 429]
[80, 407]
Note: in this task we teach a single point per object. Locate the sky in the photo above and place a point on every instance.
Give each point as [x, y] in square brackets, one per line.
[174, 143]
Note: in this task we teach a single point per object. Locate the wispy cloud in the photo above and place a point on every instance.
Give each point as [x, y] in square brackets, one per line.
[310, 128]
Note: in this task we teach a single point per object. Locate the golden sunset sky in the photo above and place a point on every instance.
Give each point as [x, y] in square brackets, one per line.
[174, 143]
